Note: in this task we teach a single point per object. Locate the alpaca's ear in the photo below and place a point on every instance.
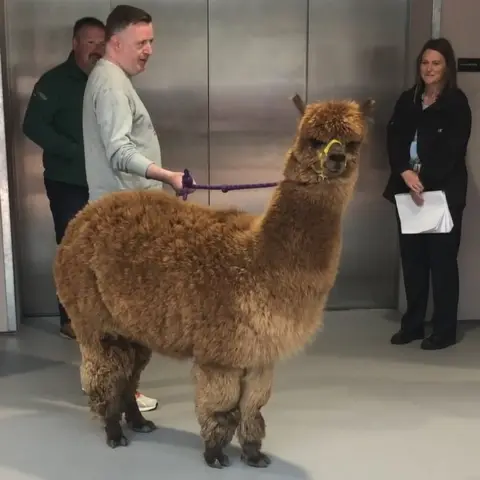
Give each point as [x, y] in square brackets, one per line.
[299, 103]
[368, 108]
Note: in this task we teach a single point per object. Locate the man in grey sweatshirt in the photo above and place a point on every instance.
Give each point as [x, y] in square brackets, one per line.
[122, 151]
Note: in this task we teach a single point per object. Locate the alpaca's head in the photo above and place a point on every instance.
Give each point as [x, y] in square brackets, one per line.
[328, 140]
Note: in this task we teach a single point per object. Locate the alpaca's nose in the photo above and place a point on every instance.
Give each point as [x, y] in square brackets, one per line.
[338, 157]
[336, 162]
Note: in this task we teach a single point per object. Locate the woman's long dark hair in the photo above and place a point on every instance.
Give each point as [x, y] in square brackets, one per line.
[444, 47]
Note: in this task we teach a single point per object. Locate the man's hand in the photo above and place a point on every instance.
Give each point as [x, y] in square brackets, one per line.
[412, 181]
[174, 179]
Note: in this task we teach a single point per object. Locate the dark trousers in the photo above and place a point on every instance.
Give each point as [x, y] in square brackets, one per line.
[65, 202]
[432, 254]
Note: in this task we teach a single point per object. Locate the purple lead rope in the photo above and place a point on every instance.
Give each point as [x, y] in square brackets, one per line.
[187, 184]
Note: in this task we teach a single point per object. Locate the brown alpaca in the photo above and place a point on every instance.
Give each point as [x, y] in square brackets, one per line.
[143, 271]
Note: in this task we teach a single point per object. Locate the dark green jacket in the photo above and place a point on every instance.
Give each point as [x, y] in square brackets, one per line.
[53, 121]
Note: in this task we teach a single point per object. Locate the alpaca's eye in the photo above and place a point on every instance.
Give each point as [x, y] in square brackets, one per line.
[352, 146]
[317, 144]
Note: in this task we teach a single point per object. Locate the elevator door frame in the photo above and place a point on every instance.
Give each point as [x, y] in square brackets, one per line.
[9, 317]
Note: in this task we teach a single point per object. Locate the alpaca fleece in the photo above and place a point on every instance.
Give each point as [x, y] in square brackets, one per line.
[143, 271]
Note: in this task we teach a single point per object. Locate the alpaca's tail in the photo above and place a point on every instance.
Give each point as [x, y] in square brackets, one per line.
[76, 284]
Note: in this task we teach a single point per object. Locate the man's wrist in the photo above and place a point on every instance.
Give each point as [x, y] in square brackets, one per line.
[161, 174]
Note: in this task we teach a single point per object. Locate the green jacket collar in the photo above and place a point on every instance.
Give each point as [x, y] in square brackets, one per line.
[73, 69]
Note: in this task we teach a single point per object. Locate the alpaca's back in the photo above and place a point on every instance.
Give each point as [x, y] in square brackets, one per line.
[155, 270]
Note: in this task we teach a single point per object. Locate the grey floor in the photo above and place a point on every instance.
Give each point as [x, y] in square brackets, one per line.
[351, 407]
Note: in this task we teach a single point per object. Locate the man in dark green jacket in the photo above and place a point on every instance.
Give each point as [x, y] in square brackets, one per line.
[53, 121]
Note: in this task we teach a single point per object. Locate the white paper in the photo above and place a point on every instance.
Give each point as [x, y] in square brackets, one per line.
[431, 217]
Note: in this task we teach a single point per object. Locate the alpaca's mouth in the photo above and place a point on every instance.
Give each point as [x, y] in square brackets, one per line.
[336, 164]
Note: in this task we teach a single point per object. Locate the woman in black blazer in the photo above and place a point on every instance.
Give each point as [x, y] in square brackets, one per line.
[427, 138]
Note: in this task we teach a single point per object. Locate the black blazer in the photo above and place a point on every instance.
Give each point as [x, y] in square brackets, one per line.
[443, 135]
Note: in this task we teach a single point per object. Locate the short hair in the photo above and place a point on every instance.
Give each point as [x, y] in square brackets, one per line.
[122, 16]
[87, 22]
[444, 47]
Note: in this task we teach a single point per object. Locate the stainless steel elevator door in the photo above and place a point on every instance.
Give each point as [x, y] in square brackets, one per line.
[263, 51]
[257, 55]
[37, 40]
[218, 88]
[357, 49]
[174, 86]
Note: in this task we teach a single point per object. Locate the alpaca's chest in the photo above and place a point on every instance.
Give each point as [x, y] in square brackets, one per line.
[268, 336]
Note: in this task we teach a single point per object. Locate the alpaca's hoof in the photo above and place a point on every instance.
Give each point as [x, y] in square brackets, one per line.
[145, 427]
[215, 458]
[120, 441]
[258, 460]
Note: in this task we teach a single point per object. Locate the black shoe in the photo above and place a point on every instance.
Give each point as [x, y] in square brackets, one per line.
[402, 337]
[437, 342]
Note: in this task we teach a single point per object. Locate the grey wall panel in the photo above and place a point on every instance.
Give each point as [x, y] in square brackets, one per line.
[36, 41]
[174, 86]
[459, 23]
[357, 49]
[257, 56]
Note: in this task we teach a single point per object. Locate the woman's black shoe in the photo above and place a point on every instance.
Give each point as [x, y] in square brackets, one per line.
[403, 337]
[436, 342]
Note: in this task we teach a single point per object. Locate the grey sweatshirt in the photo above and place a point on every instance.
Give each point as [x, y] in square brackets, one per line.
[119, 137]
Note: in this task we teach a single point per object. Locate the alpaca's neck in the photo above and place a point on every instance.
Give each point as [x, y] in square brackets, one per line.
[301, 230]
[297, 249]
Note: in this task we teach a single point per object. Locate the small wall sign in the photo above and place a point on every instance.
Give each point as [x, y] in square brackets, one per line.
[468, 64]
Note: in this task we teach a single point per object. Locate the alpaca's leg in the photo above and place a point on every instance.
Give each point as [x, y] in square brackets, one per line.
[216, 406]
[133, 416]
[105, 371]
[256, 390]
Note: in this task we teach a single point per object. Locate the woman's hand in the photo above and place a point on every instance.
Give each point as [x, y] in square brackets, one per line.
[412, 181]
[417, 198]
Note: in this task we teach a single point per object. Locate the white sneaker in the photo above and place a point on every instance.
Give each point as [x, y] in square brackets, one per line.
[145, 404]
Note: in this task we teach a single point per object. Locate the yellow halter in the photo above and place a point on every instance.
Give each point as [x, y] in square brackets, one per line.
[322, 156]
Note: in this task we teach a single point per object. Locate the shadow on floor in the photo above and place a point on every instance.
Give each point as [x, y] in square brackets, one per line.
[56, 445]
[47, 433]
